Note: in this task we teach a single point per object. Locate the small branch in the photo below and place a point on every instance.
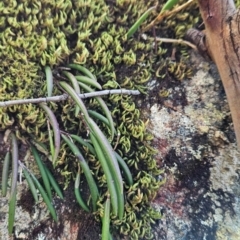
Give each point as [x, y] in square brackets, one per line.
[178, 41]
[65, 96]
[165, 14]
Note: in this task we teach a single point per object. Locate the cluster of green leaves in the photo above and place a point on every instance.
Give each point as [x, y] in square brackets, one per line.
[99, 40]
[237, 3]
[34, 185]
[35, 34]
[98, 145]
[166, 7]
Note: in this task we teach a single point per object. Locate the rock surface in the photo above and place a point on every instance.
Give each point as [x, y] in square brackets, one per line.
[201, 197]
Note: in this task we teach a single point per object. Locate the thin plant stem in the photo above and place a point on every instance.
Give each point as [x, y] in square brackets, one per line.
[178, 41]
[165, 14]
[64, 96]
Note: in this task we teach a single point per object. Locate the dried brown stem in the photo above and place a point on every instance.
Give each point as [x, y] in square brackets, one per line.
[178, 41]
[165, 14]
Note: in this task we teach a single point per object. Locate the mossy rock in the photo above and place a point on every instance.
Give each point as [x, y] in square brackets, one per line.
[34, 34]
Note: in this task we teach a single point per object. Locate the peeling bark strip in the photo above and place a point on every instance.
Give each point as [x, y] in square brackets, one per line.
[222, 42]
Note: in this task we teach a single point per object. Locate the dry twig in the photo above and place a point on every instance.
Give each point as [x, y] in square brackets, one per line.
[65, 96]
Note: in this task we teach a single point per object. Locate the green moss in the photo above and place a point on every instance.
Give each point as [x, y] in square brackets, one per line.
[38, 33]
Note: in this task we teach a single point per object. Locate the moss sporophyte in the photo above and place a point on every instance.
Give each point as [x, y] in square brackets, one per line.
[38, 40]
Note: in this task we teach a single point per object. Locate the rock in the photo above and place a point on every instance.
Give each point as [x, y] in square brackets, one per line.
[201, 197]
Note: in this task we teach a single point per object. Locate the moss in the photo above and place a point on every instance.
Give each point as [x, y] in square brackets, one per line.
[38, 33]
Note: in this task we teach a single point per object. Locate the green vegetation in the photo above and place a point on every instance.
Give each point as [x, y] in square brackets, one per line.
[38, 39]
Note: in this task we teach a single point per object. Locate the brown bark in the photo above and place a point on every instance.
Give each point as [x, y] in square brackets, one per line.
[222, 44]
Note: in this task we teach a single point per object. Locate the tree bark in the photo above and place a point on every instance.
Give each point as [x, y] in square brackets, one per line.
[222, 44]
